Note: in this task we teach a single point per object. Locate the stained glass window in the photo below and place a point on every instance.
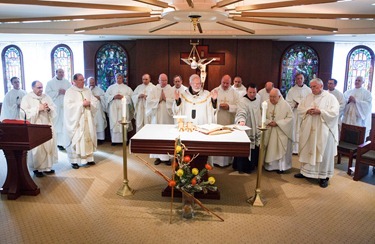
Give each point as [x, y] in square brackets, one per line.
[111, 59]
[12, 66]
[62, 58]
[360, 62]
[298, 59]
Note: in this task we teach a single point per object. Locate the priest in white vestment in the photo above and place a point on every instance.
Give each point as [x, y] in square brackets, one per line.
[227, 99]
[40, 109]
[249, 114]
[331, 84]
[239, 87]
[159, 110]
[294, 97]
[10, 108]
[177, 84]
[278, 137]
[56, 89]
[113, 96]
[139, 100]
[80, 128]
[100, 118]
[318, 140]
[198, 105]
[358, 106]
[264, 93]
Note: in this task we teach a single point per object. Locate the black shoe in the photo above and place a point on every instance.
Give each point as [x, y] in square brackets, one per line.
[52, 171]
[299, 176]
[100, 142]
[167, 162]
[323, 183]
[61, 148]
[280, 172]
[75, 166]
[91, 163]
[157, 161]
[38, 174]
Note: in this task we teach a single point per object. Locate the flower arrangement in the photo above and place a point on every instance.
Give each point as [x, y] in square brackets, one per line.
[186, 178]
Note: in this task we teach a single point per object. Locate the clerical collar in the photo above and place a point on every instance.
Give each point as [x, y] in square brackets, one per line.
[250, 98]
[193, 92]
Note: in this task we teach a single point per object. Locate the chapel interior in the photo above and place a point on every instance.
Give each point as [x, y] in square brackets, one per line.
[82, 206]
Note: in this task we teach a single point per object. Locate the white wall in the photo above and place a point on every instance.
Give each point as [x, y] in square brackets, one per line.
[37, 61]
[340, 54]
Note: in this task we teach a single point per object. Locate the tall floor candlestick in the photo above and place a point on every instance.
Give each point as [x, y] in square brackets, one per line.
[257, 199]
[125, 189]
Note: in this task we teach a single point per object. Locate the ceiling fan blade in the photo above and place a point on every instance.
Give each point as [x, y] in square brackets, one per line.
[76, 17]
[165, 25]
[238, 27]
[77, 5]
[225, 3]
[282, 4]
[307, 16]
[190, 3]
[155, 3]
[199, 28]
[282, 23]
[117, 24]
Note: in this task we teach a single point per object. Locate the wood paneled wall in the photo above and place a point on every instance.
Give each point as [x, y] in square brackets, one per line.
[256, 61]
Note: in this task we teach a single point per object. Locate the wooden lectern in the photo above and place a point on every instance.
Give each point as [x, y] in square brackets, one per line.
[16, 140]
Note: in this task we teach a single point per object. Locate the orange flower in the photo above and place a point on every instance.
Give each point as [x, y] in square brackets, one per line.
[208, 167]
[193, 182]
[187, 159]
[172, 183]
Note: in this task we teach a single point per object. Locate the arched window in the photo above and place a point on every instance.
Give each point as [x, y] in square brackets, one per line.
[62, 57]
[360, 62]
[111, 59]
[298, 58]
[12, 59]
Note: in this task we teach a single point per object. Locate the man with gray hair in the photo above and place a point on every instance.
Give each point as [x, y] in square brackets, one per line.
[358, 106]
[319, 113]
[56, 89]
[100, 118]
[40, 109]
[197, 104]
[278, 138]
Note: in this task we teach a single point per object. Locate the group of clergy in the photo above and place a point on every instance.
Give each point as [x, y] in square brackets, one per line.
[306, 122]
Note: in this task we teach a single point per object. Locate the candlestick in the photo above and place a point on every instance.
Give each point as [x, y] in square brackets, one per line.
[124, 107]
[264, 110]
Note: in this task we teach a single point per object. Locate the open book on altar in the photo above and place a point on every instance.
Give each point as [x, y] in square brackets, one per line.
[216, 129]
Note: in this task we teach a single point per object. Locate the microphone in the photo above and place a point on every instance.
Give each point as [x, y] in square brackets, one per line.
[18, 105]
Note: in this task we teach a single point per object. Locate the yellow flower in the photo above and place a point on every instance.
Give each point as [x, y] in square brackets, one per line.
[178, 149]
[180, 172]
[211, 180]
[195, 171]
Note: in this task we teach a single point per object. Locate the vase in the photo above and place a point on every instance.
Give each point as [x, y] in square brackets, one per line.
[187, 207]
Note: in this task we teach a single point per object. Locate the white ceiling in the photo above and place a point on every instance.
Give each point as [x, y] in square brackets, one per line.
[348, 30]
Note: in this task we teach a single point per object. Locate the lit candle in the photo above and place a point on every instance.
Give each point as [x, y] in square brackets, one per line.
[123, 107]
[264, 111]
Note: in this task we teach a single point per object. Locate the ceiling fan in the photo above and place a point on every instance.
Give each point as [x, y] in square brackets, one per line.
[194, 11]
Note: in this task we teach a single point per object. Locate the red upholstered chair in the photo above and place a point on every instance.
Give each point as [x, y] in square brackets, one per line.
[365, 158]
[350, 138]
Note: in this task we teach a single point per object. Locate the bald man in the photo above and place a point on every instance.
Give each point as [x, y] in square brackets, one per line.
[227, 102]
[159, 109]
[279, 136]
[265, 92]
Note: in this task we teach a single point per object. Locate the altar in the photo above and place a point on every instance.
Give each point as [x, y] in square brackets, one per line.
[159, 139]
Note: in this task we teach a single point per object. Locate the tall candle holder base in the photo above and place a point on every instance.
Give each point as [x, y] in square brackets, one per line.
[257, 200]
[125, 189]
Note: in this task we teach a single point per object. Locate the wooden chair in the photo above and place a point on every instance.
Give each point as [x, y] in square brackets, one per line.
[350, 138]
[365, 158]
